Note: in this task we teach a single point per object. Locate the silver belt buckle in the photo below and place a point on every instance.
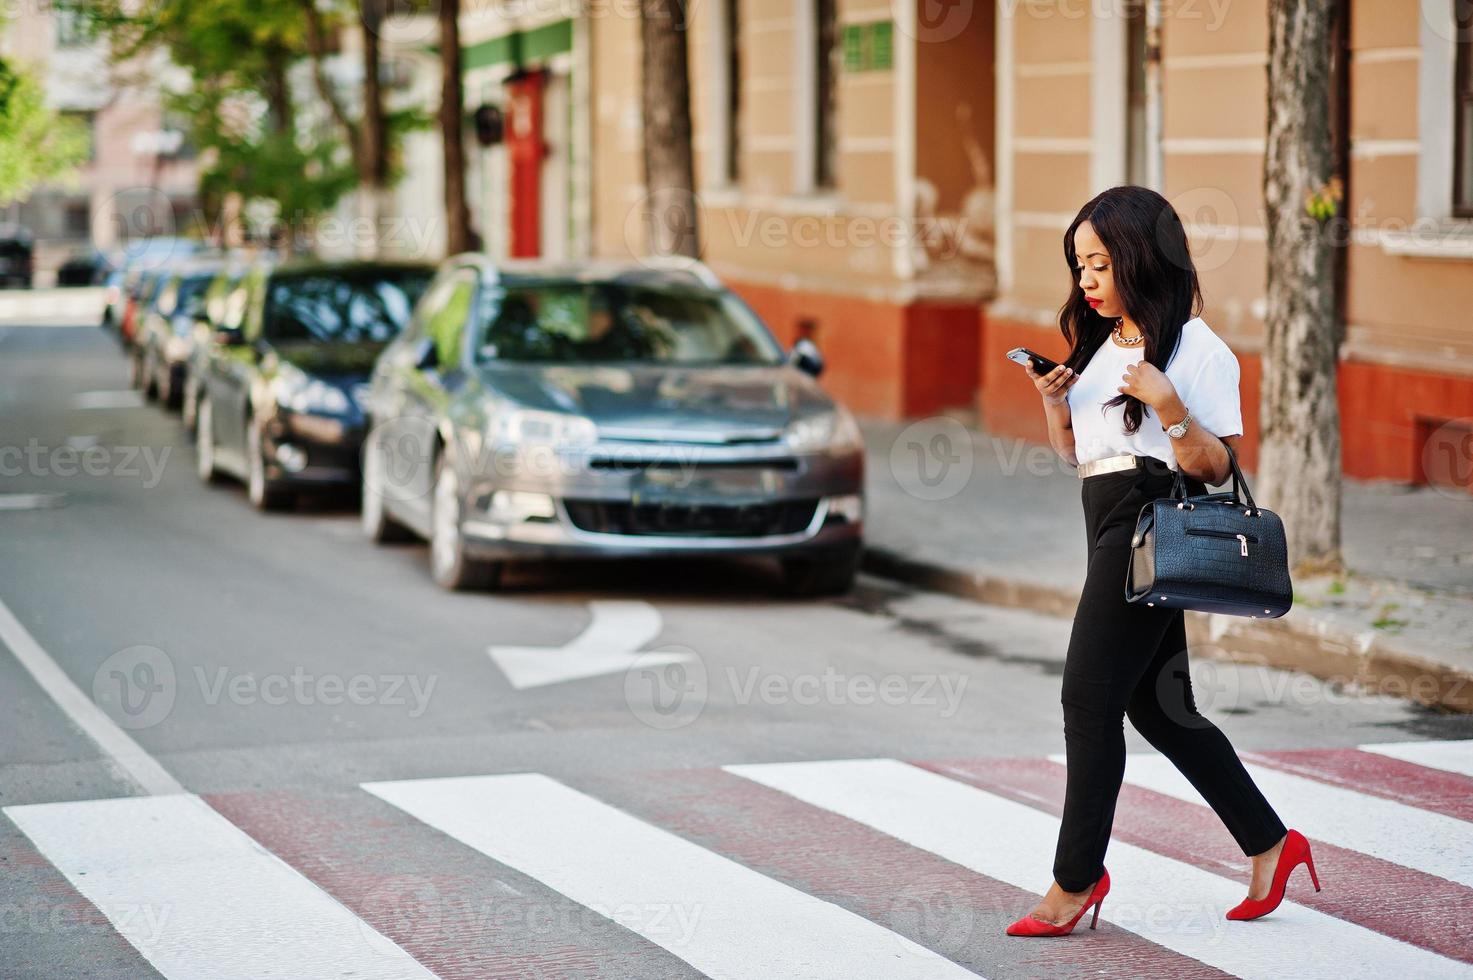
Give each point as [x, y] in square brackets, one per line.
[1109, 464]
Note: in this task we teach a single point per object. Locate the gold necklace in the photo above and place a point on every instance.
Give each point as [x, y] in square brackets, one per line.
[1135, 341]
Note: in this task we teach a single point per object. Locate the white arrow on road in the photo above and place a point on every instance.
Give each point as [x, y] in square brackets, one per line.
[610, 644]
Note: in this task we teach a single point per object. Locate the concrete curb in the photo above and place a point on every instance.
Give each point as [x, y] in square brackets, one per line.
[1302, 642]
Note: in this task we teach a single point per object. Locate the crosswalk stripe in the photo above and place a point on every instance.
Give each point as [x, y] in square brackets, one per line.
[199, 898]
[1174, 904]
[1405, 835]
[922, 895]
[1426, 788]
[453, 909]
[1393, 900]
[1451, 756]
[719, 916]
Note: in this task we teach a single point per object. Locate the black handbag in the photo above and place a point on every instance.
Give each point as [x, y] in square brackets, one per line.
[1216, 552]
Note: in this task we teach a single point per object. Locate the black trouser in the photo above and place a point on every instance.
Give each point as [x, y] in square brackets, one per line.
[1131, 659]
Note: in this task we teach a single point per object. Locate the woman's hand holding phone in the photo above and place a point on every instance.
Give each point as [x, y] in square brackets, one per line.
[1053, 386]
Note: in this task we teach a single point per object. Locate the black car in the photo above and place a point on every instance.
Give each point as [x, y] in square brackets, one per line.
[280, 395]
[223, 307]
[17, 255]
[165, 334]
[84, 267]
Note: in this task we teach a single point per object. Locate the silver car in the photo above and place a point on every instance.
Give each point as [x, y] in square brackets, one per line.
[536, 409]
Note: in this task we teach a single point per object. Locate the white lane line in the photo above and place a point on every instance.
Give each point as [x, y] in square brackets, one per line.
[1406, 835]
[721, 917]
[31, 501]
[132, 763]
[609, 644]
[199, 898]
[1452, 756]
[108, 399]
[1173, 904]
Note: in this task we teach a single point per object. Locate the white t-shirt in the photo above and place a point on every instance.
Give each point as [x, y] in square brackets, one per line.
[1204, 371]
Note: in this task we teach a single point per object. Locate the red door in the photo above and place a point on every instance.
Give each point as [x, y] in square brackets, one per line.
[526, 151]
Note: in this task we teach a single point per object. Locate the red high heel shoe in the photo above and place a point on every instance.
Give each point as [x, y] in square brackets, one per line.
[1029, 926]
[1295, 853]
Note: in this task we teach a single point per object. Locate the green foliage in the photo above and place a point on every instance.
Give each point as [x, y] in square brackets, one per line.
[239, 55]
[36, 144]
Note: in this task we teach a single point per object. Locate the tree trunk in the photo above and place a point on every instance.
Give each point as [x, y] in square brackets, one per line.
[1299, 457]
[373, 152]
[669, 167]
[457, 213]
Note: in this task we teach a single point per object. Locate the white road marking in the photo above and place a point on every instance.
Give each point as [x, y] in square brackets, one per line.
[608, 645]
[132, 763]
[108, 399]
[1451, 756]
[31, 501]
[721, 917]
[199, 898]
[1171, 903]
[1406, 835]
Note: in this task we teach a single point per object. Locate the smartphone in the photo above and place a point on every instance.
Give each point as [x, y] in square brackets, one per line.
[1022, 355]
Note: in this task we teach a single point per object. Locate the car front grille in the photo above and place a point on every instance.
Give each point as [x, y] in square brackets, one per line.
[708, 520]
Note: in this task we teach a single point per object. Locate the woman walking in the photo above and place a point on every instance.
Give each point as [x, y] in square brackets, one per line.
[1147, 388]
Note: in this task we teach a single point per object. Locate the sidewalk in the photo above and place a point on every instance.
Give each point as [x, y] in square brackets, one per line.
[994, 518]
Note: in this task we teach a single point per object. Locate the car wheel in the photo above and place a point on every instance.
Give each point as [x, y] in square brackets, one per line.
[169, 394]
[204, 443]
[150, 375]
[262, 494]
[821, 574]
[377, 524]
[449, 565]
[190, 408]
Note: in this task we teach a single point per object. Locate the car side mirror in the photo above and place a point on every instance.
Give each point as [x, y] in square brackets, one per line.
[805, 357]
[427, 355]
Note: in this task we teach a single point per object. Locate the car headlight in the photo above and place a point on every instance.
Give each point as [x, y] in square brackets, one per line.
[529, 426]
[834, 430]
[299, 391]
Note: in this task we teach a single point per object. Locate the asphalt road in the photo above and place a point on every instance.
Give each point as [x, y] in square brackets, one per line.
[275, 664]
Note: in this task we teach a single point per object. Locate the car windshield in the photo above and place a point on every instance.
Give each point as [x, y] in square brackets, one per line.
[350, 307]
[192, 288]
[570, 322]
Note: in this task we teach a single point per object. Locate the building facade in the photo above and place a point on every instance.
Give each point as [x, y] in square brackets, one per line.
[892, 178]
[141, 178]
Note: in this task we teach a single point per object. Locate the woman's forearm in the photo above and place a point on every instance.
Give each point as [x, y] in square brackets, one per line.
[1061, 431]
[1199, 453]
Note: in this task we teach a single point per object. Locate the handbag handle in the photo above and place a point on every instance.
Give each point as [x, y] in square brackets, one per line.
[1240, 484]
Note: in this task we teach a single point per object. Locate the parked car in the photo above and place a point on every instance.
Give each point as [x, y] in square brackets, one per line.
[223, 309]
[141, 287]
[84, 267]
[134, 258]
[606, 409]
[166, 332]
[281, 389]
[17, 255]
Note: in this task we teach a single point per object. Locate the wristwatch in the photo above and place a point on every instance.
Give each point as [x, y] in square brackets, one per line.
[1180, 429]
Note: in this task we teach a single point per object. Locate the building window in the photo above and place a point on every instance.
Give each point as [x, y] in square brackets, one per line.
[71, 29]
[1136, 165]
[826, 91]
[87, 123]
[1463, 113]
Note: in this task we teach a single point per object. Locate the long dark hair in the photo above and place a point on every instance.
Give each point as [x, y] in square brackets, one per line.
[1154, 277]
